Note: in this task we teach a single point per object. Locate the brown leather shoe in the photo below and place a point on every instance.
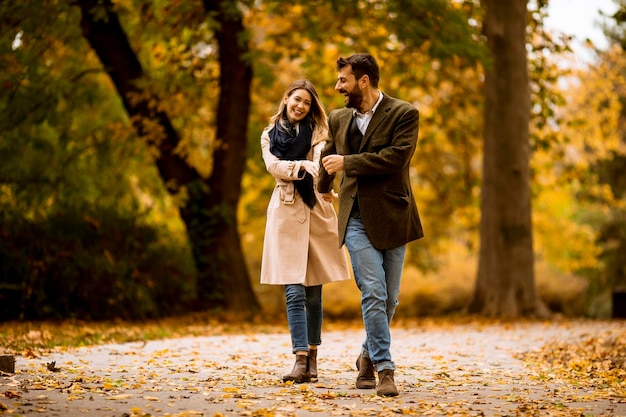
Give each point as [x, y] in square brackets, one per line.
[386, 385]
[300, 372]
[313, 363]
[366, 378]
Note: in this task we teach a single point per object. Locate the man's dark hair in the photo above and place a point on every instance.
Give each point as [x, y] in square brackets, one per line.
[362, 64]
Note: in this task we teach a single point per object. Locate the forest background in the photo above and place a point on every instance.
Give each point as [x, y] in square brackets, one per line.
[95, 219]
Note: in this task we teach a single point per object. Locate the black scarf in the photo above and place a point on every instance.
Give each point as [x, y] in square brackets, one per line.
[289, 143]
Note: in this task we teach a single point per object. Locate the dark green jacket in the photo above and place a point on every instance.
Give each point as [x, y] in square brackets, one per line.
[378, 174]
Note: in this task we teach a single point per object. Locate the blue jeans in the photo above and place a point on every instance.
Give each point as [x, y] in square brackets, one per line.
[377, 274]
[304, 315]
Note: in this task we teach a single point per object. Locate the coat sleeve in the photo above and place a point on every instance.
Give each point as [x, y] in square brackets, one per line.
[279, 169]
[325, 180]
[319, 141]
[388, 152]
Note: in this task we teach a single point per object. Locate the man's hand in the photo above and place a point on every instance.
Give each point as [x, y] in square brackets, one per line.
[333, 163]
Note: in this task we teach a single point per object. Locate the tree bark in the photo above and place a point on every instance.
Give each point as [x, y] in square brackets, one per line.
[229, 160]
[210, 211]
[505, 285]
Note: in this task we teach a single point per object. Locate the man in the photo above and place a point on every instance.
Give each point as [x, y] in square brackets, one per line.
[372, 141]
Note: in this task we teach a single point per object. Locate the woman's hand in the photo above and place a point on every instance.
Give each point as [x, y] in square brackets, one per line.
[312, 168]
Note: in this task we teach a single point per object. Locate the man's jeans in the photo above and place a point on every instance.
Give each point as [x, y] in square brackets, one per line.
[304, 315]
[378, 274]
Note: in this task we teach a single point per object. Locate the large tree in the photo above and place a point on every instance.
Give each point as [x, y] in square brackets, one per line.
[209, 207]
[505, 283]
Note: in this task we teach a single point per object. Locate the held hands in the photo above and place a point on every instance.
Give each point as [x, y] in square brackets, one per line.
[333, 163]
[311, 167]
[330, 196]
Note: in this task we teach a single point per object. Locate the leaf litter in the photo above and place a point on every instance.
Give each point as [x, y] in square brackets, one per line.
[444, 368]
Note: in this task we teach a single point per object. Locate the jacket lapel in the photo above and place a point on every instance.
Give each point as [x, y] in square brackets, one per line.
[377, 119]
[344, 130]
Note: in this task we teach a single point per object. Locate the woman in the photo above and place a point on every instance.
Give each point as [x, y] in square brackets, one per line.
[300, 249]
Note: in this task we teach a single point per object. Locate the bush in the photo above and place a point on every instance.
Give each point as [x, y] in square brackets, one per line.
[91, 266]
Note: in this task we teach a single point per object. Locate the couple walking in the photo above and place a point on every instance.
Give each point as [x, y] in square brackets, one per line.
[370, 142]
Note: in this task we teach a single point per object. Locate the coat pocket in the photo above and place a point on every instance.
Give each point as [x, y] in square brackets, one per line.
[397, 198]
[380, 141]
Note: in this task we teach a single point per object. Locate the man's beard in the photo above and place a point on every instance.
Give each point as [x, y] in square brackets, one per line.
[354, 100]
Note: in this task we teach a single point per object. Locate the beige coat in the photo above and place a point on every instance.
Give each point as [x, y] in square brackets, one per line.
[300, 245]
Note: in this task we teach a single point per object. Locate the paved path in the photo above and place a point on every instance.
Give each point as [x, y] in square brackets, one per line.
[450, 370]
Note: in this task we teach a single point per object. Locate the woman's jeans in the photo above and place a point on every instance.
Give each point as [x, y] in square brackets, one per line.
[304, 314]
[377, 274]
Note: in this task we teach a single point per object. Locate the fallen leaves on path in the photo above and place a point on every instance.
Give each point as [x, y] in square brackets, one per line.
[444, 369]
[594, 368]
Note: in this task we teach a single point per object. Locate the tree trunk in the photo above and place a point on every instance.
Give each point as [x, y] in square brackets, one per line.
[229, 159]
[505, 285]
[210, 212]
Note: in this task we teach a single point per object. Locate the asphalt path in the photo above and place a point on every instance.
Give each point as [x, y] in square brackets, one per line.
[443, 370]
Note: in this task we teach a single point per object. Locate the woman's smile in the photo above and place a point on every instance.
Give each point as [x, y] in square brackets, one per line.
[298, 105]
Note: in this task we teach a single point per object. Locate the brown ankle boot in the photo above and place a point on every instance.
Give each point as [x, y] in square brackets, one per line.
[300, 372]
[366, 378]
[313, 363]
[386, 385]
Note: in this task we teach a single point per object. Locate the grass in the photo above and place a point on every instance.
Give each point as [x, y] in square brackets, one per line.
[19, 337]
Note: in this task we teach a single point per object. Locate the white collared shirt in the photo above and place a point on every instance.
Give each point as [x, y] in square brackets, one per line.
[363, 119]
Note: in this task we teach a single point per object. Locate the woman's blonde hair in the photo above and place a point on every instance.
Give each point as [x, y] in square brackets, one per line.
[316, 113]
